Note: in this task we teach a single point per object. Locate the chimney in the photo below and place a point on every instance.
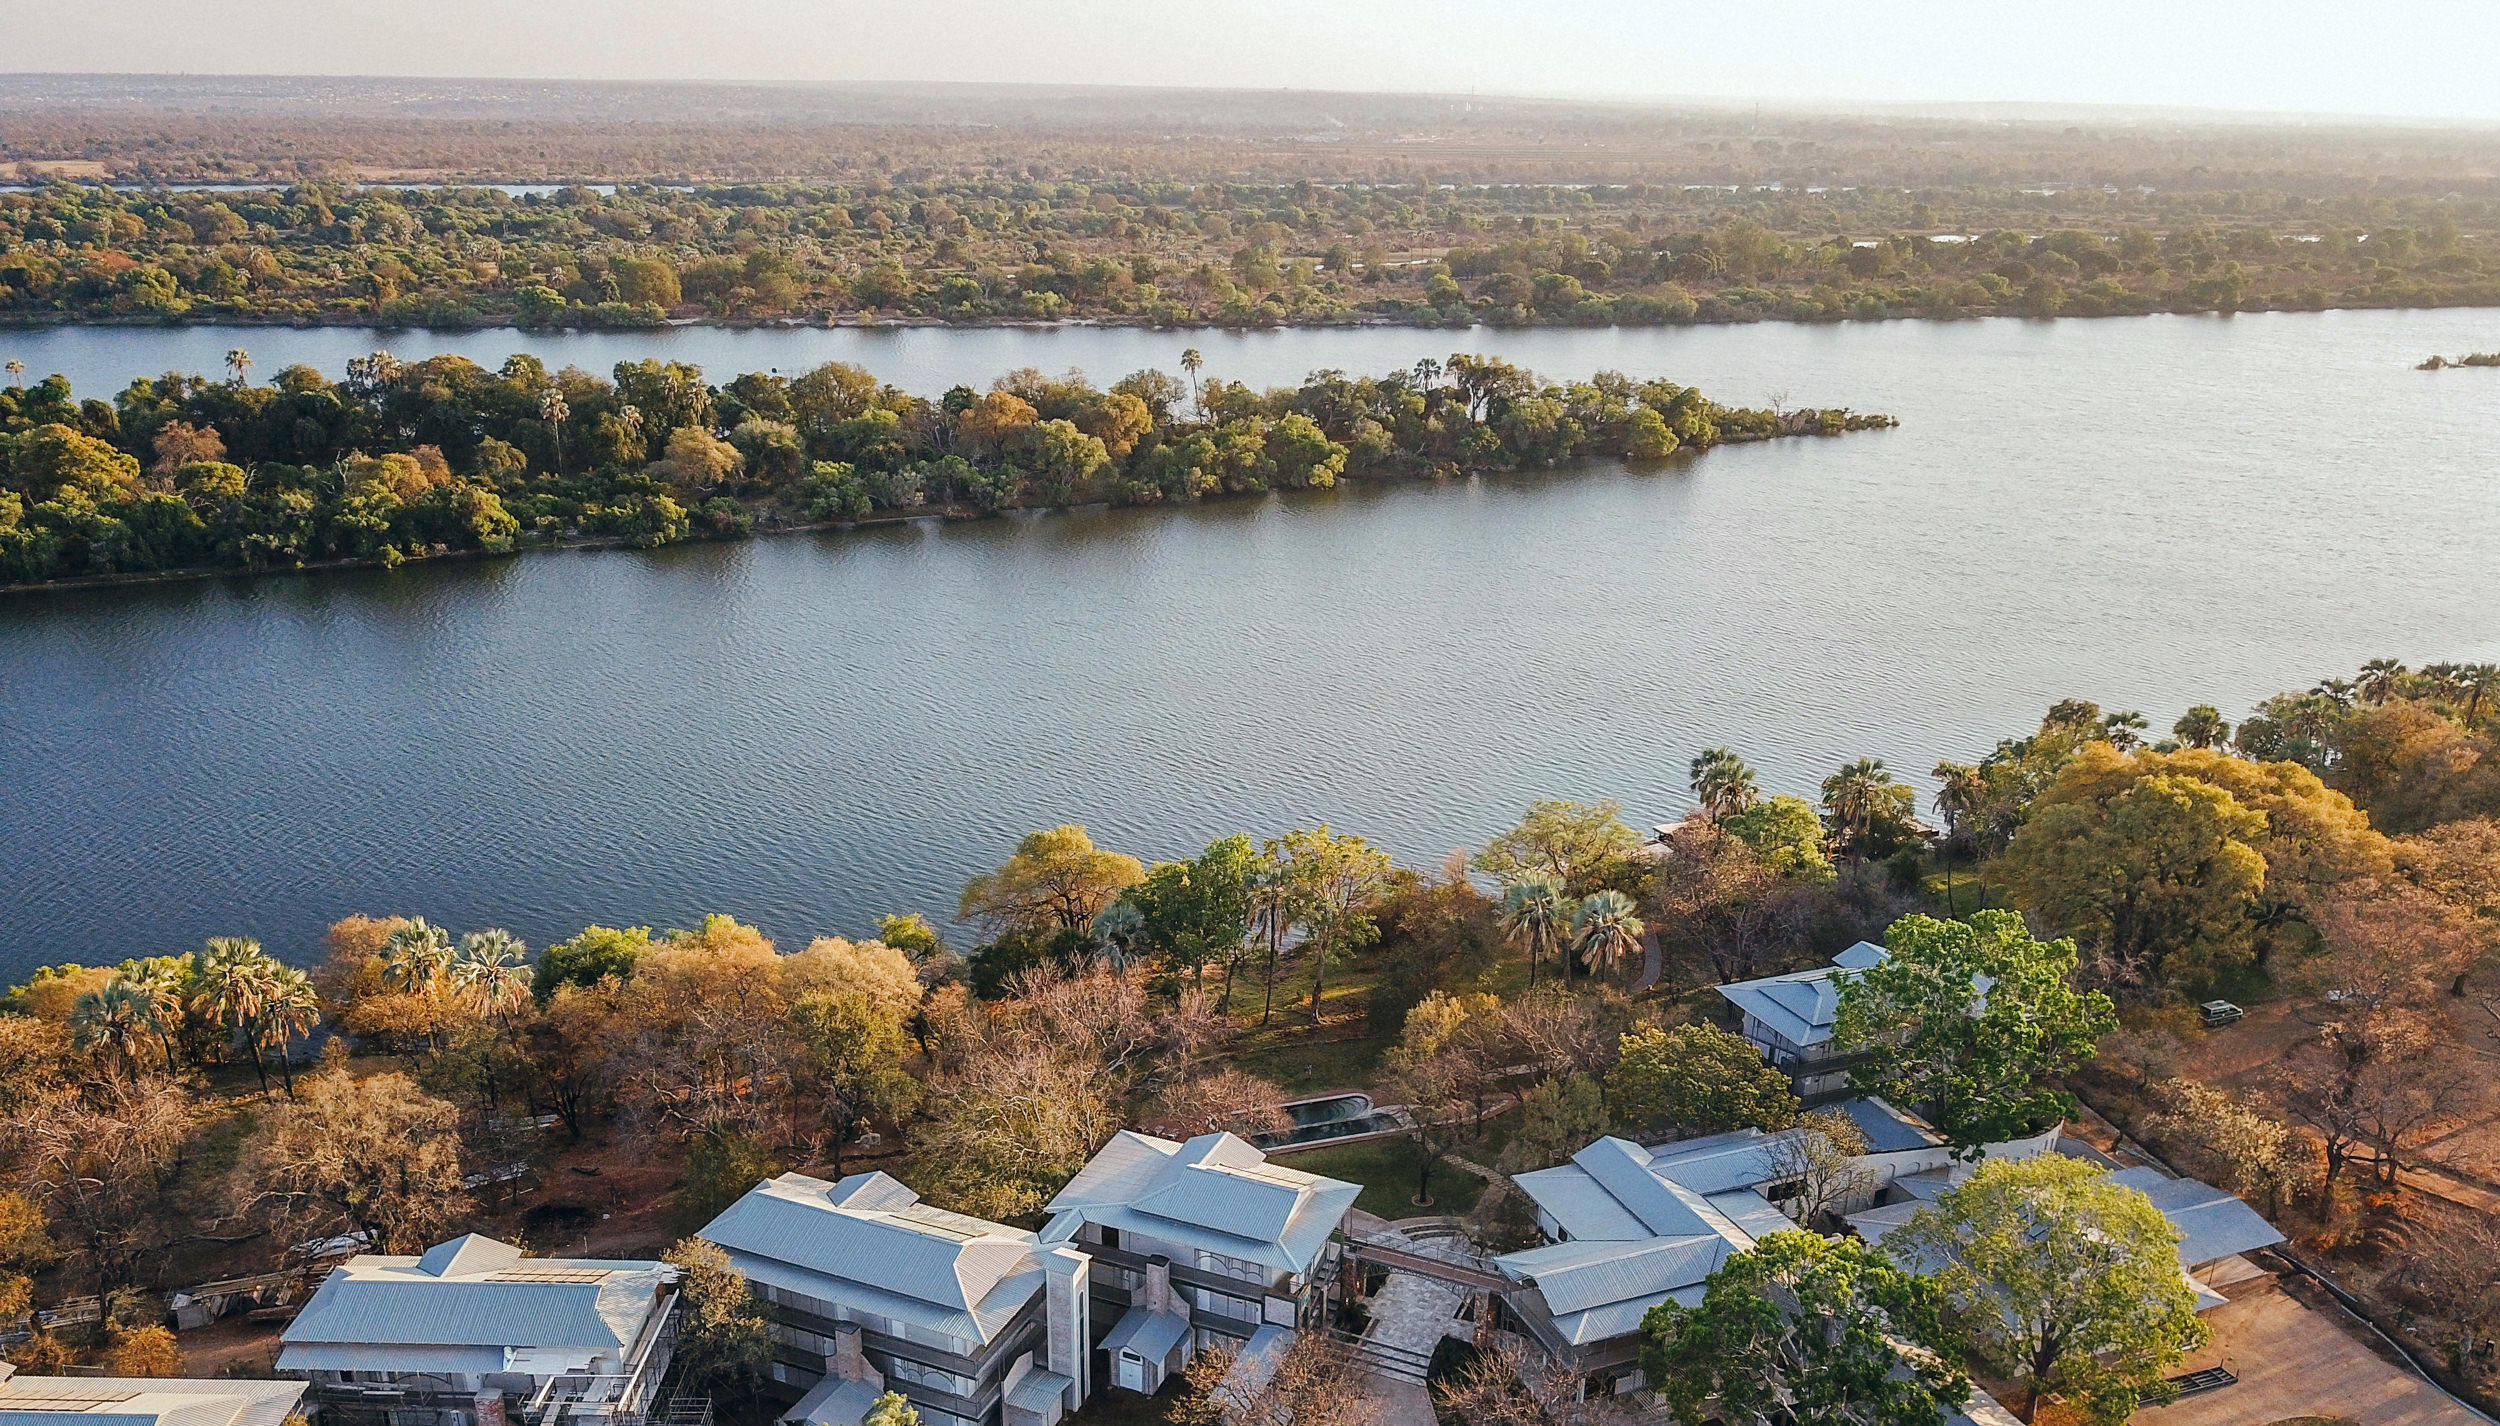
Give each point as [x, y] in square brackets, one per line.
[1159, 1296]
[846, 1360]
[1068, 1321]
[489, 1409]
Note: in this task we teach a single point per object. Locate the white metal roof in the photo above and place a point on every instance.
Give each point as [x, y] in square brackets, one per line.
[145, 1401]
[474, 1292]
[869, 1241]
[1216, 1192]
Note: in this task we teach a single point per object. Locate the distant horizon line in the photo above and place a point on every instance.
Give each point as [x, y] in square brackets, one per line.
[2026, 110]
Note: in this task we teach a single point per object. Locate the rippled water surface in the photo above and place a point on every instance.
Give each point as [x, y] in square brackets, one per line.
[812, 730]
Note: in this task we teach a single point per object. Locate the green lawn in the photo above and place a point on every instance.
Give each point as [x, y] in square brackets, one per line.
[1386, 1169]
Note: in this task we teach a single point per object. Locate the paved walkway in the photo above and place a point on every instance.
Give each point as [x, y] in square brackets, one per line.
[1651, 966]
[1413, 1313]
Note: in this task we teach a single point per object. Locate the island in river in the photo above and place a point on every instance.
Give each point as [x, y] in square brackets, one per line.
[442, 456]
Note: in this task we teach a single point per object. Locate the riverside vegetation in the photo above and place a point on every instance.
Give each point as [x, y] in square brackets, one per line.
[160, 1123]
[1178, 253]
[401, 460]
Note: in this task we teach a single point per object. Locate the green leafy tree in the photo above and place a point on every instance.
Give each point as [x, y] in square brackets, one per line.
[2061, 1279]
[1697, 1079]
[852, 1049]
[1571, 842]
[1056, 881]
[724, 1340]
[1816, 1331]
[1976, 1020]
[1199, 910]
[597, 953]
[1785, 835]
[1331, 881]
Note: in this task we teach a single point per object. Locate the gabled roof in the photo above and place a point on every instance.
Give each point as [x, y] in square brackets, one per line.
[1639, 1236]
[1216, 1192]
[143, 1401]
[2212, 1224]
[1798, 1007]
[870, 1241]
[476, 1292]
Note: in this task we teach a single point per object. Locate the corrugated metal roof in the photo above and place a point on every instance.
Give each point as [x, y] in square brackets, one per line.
[2212, 1224]
[149, 1401]
[463, 1294]
[968, 1276]
[1580, 1205]
[1888, 1130]
[1040, 1391]
[1217, 1192]
[1798, 1007]
[834, 1401]
[1622, 1168]
[1149, 1335]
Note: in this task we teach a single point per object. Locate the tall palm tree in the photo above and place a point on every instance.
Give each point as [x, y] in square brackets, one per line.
[416, 956]
[1723, 783]
[1115, 931]
[118, 1018]
[1606, 932]
[1536, 917]
[2379, 679]
[2202, 726]
[2477, 680]
[290, 1009]
[1962, 788]
[1191, 365]
[160, 981]
[235, 978]
[1852, 796]
[2337, 691]
[2125, 730]
[1271, 919]
[492, 968]
[553, 411]
[17, 372]
[238, 361]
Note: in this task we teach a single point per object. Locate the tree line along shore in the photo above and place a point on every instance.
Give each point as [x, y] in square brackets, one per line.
[974, 251]
[402, 460]
[2329, 863]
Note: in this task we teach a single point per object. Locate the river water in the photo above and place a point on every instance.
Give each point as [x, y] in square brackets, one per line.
[812, 730]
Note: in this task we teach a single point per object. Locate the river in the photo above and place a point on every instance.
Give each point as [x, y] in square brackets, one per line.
[811, 730]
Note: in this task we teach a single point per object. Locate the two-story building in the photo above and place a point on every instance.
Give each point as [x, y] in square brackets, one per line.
[1197, 1244]
[474, 1333]
[1789, 1018]
[871, 1290]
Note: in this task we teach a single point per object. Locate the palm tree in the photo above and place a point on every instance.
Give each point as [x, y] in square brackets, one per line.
[1115, 931]
[2124, 731]
[2379, 678]
[290, 1009]
[2337, 691]
[1606, 931]
[1536, 917]
[553, 411]
[492, 966]
[1852, 796]
[2477, 680]
[119, 1017]
[1723, 783]
[238, 361]
[1271, 917]
[17, 372]
[2202, 726]
[1963, 788]
[235, 980]
[416, 956]
[1192, 364]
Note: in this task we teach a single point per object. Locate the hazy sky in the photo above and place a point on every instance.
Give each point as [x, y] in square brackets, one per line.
[2436, 58]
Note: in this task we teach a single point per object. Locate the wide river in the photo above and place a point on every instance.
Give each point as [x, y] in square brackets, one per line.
[812, 730]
